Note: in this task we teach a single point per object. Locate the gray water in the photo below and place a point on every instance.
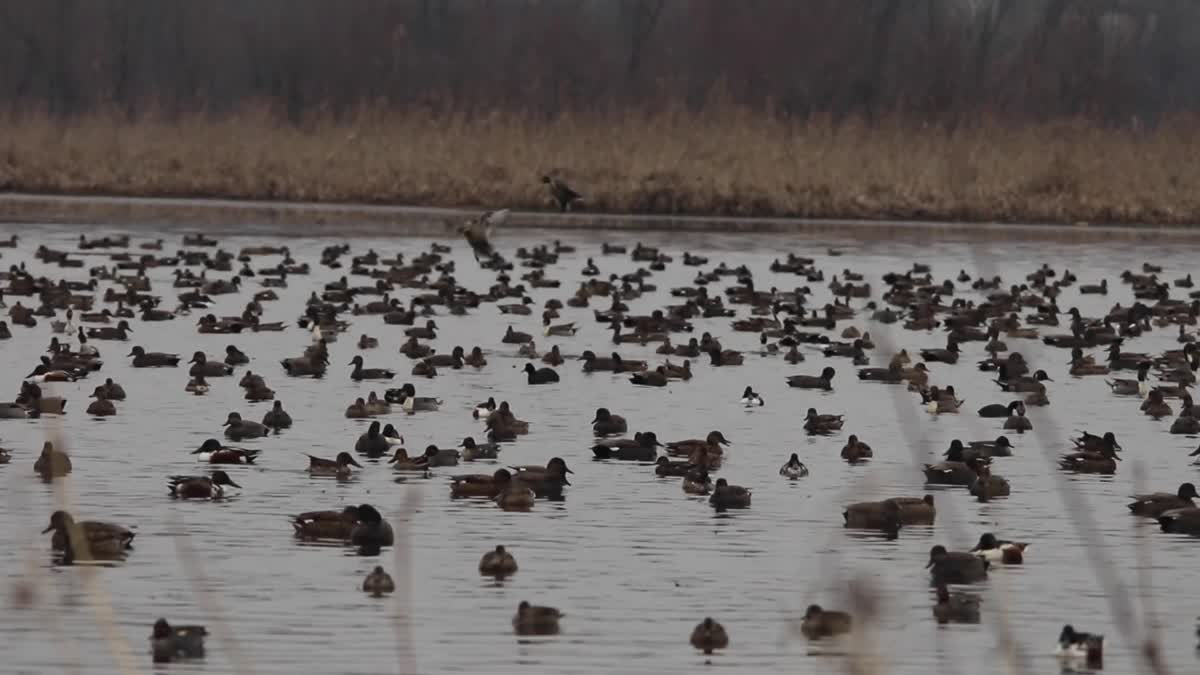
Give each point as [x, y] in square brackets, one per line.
[632, 561]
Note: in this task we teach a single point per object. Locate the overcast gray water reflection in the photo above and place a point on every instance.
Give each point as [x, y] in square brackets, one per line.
[632, 561]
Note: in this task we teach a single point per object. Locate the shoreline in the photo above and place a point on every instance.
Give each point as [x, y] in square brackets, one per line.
[310, 218]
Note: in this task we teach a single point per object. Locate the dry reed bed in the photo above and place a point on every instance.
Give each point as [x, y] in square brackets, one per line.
[725, 162]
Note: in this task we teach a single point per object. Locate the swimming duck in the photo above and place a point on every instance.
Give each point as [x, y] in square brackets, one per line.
[947, 355]
[821, 424]
[359, 373]
[540, 375]
[955, 470]
[371, 530]
[642, 448]
[1154, 405]
[202, 366]
[112, 390]
[400, 460]
[378, 583]
[821, 623]
[235, 356]
[32, 399]
[237, 429]
[277, 418]
[793, 468]
[512, 337]
[607, 424]
[1102, 461]
[996, 551]
[726, 496]
[1000, 409]
[52, 463]
[559, 330]
[955, 607]
[498, 563]
[663, 466]
[1181, 521]
[986, 486]
[546, 481]
[1018, 422]
[325, 524]
[103, 539]
[515, 497]
[535, 620]
[372, 443]
[472, 451]
[1001, 447]
[480, 485]
[367, 342]
[442, 456]
[1128, 387]
[339, 466]
[751, 399]
[101, 407]
[855, 450]
[711, 444]
[1156, 503]
[358, 410]
[118, 332]
[407, 397]
[201, 487]
[484, 409]
[697, 482]
[553, 357]
[651, 378]
[173, 643]
[709, 636]
[956, 567]
[822, 381]
[1075, 646]
[213, 452]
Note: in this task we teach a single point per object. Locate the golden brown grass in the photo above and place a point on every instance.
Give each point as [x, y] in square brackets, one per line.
[728, 161]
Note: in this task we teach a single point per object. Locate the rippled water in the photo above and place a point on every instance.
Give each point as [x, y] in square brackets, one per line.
[632, 561]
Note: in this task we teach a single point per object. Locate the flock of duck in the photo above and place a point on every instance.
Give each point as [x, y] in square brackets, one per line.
[785, 324]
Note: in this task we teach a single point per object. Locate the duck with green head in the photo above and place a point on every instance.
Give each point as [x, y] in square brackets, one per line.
[201, 487]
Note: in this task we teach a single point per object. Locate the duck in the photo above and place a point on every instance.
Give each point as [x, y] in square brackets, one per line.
[793, 468]
[112, 390]
[378, 583]
[948, 355]
[411, 403]
[101, 407]
[498, 563]
[697, 482]
[277, 418]
[955, 607]
[103, 539]
[1076, 646]
[237, 429]
[559, 330]
[1000, 409]
[475, 359]
[52, 462]
[370, 529]
[400, 460]
[170, 643]
[1018, 422]
[1128, 387]
[472, 451]
[546, 481]
[855, 450]
[358, 410]
[515, 497]
[1001, 447]
[484, 409]
[751, 399]
[235, 356]
[512, 337]
[1154, 406]
[553, 357]
[197, 385]
[202, 366]
[359, 373]
[391, 436]
[956, 567]
[213, 452]
[536, 620]
[663, 466]
[540, 375]
[823, 381]
[201, 487]
[367, 342]
[709, 636]
[340, 466]
[726, 496]
[325, 524]
[651, 378]
[711, 443]
[997, 551]
[1103, 461]
[480, 485]
[822, 623]
[822, 424]
[642, 448]
[1156, 503]
[607, 424]
[442, 456]
[955, 470]
[1180, 521]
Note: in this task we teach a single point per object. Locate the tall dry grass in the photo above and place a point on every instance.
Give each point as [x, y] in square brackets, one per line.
[727, 161]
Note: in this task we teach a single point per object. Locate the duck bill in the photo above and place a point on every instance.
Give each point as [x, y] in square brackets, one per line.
[354, 463]
[48, 528]
[929, 564]
[234, 484]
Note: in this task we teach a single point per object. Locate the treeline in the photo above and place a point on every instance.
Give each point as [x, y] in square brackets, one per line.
[1117, 61]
